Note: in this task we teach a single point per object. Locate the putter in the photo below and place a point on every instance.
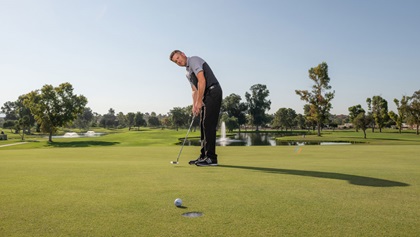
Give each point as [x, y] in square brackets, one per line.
[177, 159]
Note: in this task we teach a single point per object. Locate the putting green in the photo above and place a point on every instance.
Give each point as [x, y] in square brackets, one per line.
[256, 191]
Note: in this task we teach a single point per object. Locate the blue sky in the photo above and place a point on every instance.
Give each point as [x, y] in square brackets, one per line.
[116, 53]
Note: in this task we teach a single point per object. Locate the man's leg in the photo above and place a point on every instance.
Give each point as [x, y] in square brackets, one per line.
[210, 120]
[202, 137]
[203, 142]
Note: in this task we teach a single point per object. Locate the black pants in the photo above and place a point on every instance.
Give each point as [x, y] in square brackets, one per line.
[209, 119]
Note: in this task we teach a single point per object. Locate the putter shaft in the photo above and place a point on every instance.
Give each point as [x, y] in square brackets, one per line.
[183, 143]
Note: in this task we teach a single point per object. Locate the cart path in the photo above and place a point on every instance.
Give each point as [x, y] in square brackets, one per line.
[13, 144]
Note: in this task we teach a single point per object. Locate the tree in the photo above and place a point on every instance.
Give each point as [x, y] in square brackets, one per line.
[413, 110]
[335, 120]
[121, 120]
[20, 115]
[291, 116]
[379, 109]
[362, 121]
[257, 104]
[9, 124]
[186, 113]
[279, 120]
[84, 119]
[320, 103]
[139, 120]
[54, 107]
[22, 123]
[372, 122]
[310, 119]
[359, 118]
[354, 112]
[285, 118]
[109, 120]
[153, 120]
[333, 125]
[230, 122]
[399, 117]
[233, 106]
[179, 117]
[339, 119]
[166, 121]
[268, 119]
[396, 118]
[96, 120]
[130, 120]
[9, 109]
[300, 121]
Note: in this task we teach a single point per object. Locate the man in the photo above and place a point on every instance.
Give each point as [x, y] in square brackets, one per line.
[207, 99]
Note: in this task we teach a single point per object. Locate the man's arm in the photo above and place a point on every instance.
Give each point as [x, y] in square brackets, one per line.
[194, 97]
[199, 93]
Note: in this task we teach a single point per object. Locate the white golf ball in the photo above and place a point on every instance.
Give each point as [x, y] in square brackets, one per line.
[178, 202]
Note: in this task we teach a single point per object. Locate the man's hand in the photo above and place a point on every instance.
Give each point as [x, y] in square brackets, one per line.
[197, 108]
[198, 93]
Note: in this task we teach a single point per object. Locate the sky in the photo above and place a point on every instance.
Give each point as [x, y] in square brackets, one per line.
[116, 52]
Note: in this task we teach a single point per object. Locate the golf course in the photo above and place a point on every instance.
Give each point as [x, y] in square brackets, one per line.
[122, 184]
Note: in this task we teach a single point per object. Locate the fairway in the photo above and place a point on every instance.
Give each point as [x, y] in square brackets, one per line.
[256, 191]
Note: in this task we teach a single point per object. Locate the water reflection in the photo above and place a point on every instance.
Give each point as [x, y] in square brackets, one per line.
[242, 139]
[258, 139]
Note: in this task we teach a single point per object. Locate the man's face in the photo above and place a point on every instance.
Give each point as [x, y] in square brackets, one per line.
[180, 59]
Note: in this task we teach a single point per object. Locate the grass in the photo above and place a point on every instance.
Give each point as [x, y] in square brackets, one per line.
[116, 137]
[122, 184]
[167, 137]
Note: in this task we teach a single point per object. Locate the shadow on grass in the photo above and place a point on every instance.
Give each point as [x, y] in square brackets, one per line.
[82, 144]
[378, 138]
[395, 139]
[352, 179]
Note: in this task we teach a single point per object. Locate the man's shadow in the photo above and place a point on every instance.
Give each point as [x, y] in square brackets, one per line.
[352, 179]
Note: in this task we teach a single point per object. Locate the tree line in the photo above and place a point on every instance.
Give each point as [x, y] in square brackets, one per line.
[378, 116]
[50, 108]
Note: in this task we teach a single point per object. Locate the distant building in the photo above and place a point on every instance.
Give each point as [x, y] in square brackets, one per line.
[408, 126]
[346, 125]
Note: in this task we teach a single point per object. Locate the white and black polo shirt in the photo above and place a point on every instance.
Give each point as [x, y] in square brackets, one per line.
[194, 66]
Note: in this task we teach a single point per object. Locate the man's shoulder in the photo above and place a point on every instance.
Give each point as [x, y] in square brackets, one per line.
[195, 64]
[196, 59]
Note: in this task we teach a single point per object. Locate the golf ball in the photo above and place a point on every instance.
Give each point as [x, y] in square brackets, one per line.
[178, 202]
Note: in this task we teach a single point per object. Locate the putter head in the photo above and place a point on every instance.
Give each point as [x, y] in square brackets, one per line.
[174, 162]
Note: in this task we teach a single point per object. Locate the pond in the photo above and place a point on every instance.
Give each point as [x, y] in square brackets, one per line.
[258, 139]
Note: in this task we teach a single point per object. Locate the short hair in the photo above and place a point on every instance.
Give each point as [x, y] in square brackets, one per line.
[173, 53]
